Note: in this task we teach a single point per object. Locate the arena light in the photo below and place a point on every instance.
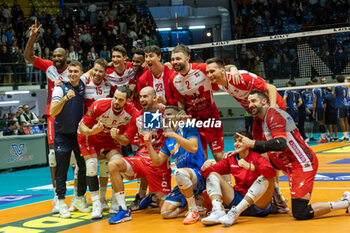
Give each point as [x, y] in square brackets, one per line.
[197, 27]
[163, 29]
[16, 92]
[179, 28]
[9, 102]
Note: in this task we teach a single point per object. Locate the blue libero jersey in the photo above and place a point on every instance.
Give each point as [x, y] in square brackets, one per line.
[317, 93]
[182, 157]
[341, 95]
[66, 122]
[308, 99]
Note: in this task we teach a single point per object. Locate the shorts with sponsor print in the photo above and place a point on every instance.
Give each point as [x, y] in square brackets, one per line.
[159, 178]
[93, 145]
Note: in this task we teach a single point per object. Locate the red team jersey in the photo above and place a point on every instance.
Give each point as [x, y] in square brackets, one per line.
[95, 91]
[103, 110]
[249, 81]
[125, 79]
[136, 127]
[195, 88]
[298, 160]
[52, 76]
[160, 84]
[243, 178]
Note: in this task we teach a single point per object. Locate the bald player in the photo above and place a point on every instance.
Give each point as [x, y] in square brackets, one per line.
[56, 70]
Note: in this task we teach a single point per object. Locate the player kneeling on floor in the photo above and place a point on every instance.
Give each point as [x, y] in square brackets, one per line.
[184, 146]
[252, 193]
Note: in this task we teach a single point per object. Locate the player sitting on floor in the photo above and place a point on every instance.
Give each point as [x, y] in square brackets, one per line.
[184, 145]
[252, 193]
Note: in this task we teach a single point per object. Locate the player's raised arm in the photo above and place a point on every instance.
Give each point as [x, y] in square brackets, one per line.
[157, 158]
[272, 93]
[29, 50]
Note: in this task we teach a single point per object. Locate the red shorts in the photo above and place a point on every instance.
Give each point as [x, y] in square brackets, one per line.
[301, 182]
[159, 178]
[215, 146]
[212, 136]
[92, 145]
[50, 129]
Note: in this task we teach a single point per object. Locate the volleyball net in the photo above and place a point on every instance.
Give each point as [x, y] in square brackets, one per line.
[277, 58]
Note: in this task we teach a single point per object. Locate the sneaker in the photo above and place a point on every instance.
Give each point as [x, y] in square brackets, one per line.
[104, 204]
[279, 208]
[121, 216]
[213, 217]
[346, 196]
[312, 139]
[80, 204]
[97, 211]
[230, 218]
[71, 207]
[64, 212]
[146, 201]
[345, 140]
[335, 139]
[341, 139]
[55, 209]
[332, 140]
[307, 140]
[114, 207]
[135, 203]
[191, 217]
[322, 141]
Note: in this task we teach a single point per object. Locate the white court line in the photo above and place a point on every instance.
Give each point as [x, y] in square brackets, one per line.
[345, 188]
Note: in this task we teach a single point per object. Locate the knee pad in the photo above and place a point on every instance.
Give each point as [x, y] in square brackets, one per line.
[213, 185]
[183, 179]
[301, 210]
[170, 213]
[258, 188]
[52, 158]
[103, 167]
[91, 167]
[116, 156]
[73, 161]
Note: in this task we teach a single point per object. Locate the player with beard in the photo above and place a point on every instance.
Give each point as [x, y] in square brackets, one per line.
[194, 91]
[121, 73]
[140, 165]
[94, 136]
[157, 76]
[240, 90]
[56, 70]
[289, 152]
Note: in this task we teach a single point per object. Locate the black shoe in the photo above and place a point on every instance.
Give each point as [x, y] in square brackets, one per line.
[135, 204]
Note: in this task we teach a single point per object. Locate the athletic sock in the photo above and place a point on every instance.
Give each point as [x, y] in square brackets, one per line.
[216, 204]
[242, 206]
[338, 205]
[121, 199]
[94, 196]
[191, 201]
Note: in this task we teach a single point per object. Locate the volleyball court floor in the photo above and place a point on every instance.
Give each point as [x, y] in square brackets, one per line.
[26, 204]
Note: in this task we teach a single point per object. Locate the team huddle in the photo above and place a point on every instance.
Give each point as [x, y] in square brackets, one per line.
[94, 115]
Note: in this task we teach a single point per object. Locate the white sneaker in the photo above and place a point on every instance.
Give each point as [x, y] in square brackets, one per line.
[104, 204]
[213, 217]
[71, 207]
[64, 212]
[114, 207]
[346, 196]
[230, 218]
[80, 204]
[55, 209]
[97, 211]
